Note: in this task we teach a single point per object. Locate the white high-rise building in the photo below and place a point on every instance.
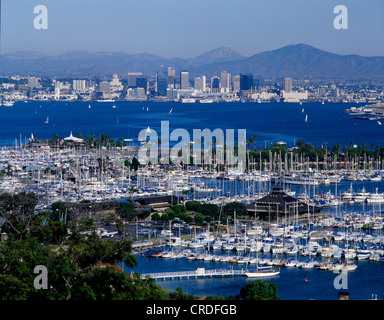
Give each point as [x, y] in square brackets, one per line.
[132, 76]
[116, 84]
[287, 84]
[184, 80]
[236, 83]
[171, 77]
[33, 82]
[79, 85]
[201, 83]
[225, 80]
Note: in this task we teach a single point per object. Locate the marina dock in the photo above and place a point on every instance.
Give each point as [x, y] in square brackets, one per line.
[198, 273]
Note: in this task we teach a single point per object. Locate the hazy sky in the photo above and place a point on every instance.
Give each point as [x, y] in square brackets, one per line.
[187, 28]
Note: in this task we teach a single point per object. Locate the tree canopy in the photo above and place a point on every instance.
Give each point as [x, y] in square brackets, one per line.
[80, 264]
[259, 290]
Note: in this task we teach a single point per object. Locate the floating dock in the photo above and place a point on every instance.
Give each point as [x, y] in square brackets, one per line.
[195, 274]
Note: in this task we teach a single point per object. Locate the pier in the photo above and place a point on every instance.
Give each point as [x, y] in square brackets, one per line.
[195, 274]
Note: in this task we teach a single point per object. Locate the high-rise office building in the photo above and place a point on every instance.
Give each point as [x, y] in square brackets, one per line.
[246, 81]
[258, 81]
[33, 83]
[171, 77]
[184, 80]
[200, 83]
[287, 84]
[132, 76]
[236, 83]
[116, 83]
[161, 82]
[215, 84]
[105, 86]
[79, 85]
[141, 82]
[225, 80]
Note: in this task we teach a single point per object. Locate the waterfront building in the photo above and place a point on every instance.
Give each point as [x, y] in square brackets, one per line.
[215, 84]
[171, 77]
[294, 96]
[335, 93]
[74, 141]
[287, 84]
[142, 82]
[105, 86]
[278, 204]
[115, 83]
[136, 94]
[257, 82]
[33, 83]
[246, 81]
[132, 78]
[321, 92]
[184, 80]
[236, 83]
[161, 82]
[200, 83]
[225, 81]
[79, 85]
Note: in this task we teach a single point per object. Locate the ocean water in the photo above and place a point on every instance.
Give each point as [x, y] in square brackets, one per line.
[271, 122]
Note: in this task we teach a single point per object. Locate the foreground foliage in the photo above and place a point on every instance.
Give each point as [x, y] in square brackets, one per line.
[80, 264]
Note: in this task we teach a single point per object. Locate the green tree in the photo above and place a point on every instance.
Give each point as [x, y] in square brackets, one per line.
[300, 143]
[135, 164]
[178, 209]
[231, 208]
[259, 290]
[199, 218]
[155, 216]
[82, 267]
[193, 205]
[209, 209]
[126, 210]
[164, 217]
[59, 211]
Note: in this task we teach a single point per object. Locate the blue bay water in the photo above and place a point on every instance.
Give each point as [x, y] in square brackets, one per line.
[271, 122]
[293, 283]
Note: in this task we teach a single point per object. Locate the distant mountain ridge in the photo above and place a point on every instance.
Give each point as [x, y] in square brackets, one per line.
[297, 61]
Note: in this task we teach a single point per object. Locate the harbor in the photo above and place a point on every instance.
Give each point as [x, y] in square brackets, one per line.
[73, 174]
[330, 218]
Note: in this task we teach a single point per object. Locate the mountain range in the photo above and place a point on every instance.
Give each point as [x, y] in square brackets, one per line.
[296, 61]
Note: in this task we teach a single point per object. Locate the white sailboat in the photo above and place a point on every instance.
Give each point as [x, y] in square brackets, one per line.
[89, 106]
[262, 273]
[47, 120]
[306, 118]
[378, 122]
[170, 111]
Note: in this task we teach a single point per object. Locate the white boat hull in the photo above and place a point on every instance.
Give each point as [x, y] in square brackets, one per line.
[262, 273]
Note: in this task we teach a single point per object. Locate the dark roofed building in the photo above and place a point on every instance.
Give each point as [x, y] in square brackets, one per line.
[279, 204]
[158, 202]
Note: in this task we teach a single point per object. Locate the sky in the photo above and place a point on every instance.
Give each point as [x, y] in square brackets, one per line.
[188, 28]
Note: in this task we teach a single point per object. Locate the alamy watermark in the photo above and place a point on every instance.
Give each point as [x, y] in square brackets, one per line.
[341, 20]
[206, 147]
[41, 281]
[41, 20]
[341, 281]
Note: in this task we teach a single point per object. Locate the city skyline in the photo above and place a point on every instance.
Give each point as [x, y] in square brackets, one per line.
[186, 29]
